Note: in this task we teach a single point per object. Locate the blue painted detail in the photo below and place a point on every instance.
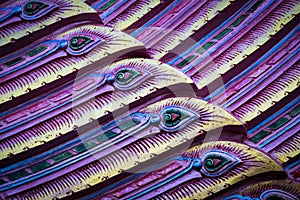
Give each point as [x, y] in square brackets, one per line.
[71, 144]
[269, 194]
[100, 4]
[58, 149]
[197, 164]
[123, 182]
[136, 78]
[254, 65]
[296, 122]
[191, 116]
[110, 78]
[26, 104]
[156, 18]
[223, 42]
[51, 6]
[290, 166]
[60, 44]
[59, 105]
[233, 162]
[260, 80]
[240, 197]
[201, 42]
[181, 13]
[121, 3]
[84, 49]
[155, 119]
[13, 11]
[275, 115]
[194, 162]
[63, 44]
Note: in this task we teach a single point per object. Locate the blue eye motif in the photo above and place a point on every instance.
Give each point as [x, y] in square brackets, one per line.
[216, 163]
[33, 10]
[128, 77]
[174, 118]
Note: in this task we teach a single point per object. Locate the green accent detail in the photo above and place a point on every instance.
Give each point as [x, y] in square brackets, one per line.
[2, 181]
[107, 135]
[14, 61]
[1, 69]
[78, 42]
[40, 166]
[62, 156]
[121, 76]
[280, 122]
[111, 134]
[34, 7]
[16, 175]
[109, 4]
[168, 119]
[255, 6]
[80, 148]
[186, 61]
[223, 33]
[36, 51]
[259, 136]
[210, 165]
[89, 144]
[239, 20]
[295, 111]
[205, 47]
[128, 124]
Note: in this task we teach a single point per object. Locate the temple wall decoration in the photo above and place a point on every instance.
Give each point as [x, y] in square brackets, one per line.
[149, 99]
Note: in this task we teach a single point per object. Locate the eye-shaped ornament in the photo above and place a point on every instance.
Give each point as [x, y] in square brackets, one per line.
[33, 10]
[174, 118]
[216, 163]
[128, 77]
[82, 43]
[78, 42]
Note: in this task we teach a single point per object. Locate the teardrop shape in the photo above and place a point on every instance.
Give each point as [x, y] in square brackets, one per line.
[125, 76]
[217, 162]
[33, 10]
[214, 162]
[175, 117]
[33, 7]
[78, 42]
